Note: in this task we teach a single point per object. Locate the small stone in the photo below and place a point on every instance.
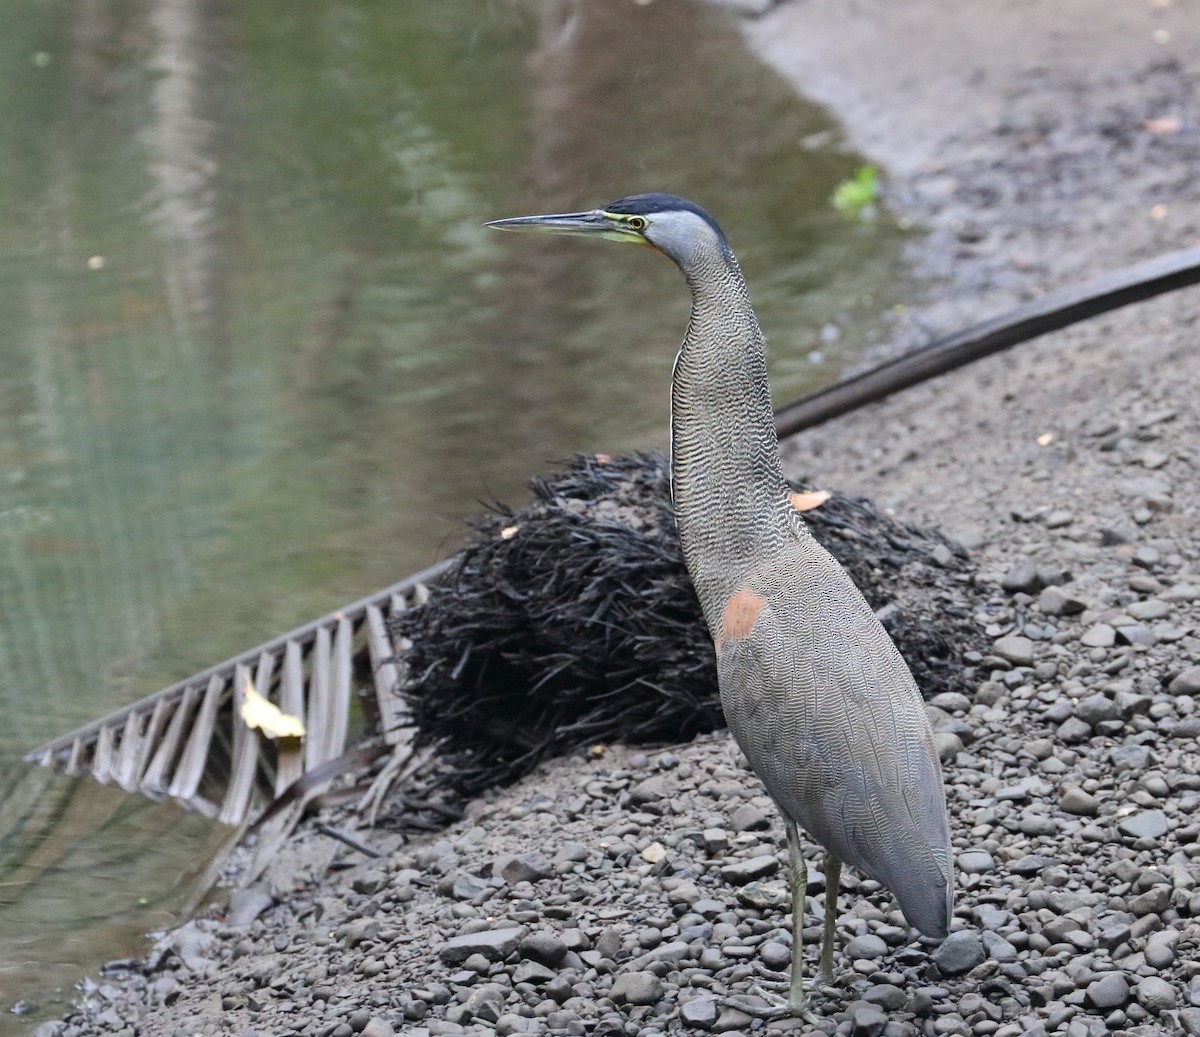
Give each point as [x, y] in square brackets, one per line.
[245, 905]
[1016, 649]
[748, 818]
[1186, 683]
[1054, 601]
[716, 840]
[1074, 730]
[949, 745]
[649, 790]
[377, 1027]
[525, 867]
[700, 1012]
[533, 972]
[637, 988]
[1099, 636]
[1147, 824]
[976, 862]
[998, 948]
[866, 947]
[1109, 991]
[1155, 995]
[1022, 577]
[1149, 610]
[867, 1021]
[543, 947]
[1075, 801]
[960, 952]
[492, 944]
[1160, 949]
[1095, 709]
[888, 997]
[775, 955]
[1153, 902]
[738, 873]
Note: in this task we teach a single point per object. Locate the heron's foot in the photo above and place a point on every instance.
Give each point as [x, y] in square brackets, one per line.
[760, 1003]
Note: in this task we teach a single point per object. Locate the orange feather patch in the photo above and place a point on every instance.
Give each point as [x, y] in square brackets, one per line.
[741, 613]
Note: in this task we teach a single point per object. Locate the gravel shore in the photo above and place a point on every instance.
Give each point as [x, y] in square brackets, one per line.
[625, 892]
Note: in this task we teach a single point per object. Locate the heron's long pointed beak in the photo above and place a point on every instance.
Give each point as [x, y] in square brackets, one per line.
[596, 223]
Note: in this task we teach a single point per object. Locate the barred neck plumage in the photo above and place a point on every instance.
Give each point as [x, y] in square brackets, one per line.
[726, 477]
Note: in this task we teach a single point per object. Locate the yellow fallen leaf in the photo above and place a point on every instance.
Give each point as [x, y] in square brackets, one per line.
[263, 714]
[808, 499]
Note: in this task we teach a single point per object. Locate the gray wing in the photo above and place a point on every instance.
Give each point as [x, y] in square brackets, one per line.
[831, 720]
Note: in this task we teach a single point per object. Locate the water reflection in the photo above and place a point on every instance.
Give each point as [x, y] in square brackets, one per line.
[259, 357]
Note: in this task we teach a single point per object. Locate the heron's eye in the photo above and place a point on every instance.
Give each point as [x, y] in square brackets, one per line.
[638, 223]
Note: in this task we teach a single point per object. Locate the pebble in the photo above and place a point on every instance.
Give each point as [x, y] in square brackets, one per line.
[738, 873]
[960, 952]
[867, 947]
[1054, 601]
[492, 944]
[1101, 635]
[976, 862]
[525, 867]
[1075, 801]
[1016, 649]
[1109, 991]
[1156, 995]
[700, 1012]
[637, 988]
[1186, 683]
[1147, 824]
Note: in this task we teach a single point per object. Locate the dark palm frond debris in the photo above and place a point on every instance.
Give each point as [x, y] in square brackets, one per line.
[573, 622]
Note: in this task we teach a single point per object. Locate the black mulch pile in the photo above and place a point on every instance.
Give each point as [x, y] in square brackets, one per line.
[573, 622]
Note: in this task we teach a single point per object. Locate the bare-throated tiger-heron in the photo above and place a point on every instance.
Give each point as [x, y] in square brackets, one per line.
[812, 686]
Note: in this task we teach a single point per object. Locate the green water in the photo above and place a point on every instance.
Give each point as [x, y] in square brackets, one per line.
[258, 356]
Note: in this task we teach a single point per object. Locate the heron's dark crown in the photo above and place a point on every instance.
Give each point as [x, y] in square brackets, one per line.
[657, 201]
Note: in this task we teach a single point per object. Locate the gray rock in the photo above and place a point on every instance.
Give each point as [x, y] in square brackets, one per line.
[1074, 730]
[1153, 902]
[888, 997]
[1108, 991]
[1099, 636]
[1075, 801]
[492, 944]
[775, 955]
[748, 818]
[976, 862]
[1021, 577]
[525, 867]
[1149, 610]
[1054, 601]
[1160, 949]
[998, 948]
[637, 988]
[738, 873]
[699, 1012]
[1147, 824]
[960, 952]
[867, 946]
[867, 1021]
[533, 972]
[377, 1027]
[245, 905]
[1189, 1019]
[1016, 649]
[543, 947]
[1186, 683]
[1095, 709]
[649, 790]
[1155, 995]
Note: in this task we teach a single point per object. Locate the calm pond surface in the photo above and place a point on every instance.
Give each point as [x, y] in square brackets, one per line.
[259, 357]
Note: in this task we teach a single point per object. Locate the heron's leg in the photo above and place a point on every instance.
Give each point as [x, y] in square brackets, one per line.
[798, 878]
[833, 878]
